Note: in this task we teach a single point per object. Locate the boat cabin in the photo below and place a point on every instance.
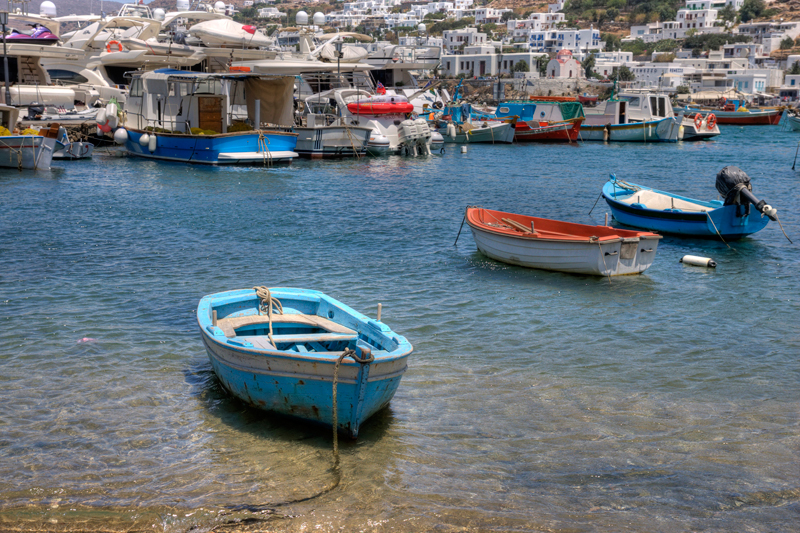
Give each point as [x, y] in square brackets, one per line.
[181, 101]
[629, 108]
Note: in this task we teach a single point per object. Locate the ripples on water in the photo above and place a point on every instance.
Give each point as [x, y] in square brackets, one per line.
[534, 400]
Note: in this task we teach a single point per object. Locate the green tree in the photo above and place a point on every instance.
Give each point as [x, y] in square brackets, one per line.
[588, 65]
[787, 43]
[508, 15]
[682, 89]
[612, 41]
[728, 14]
[521, 66]
[541, 65]
[622, 73]
[612, 13]
[751, 9]
[795, 70]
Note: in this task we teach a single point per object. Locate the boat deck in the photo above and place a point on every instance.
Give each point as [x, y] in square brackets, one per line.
[231, 324]
[661, 202]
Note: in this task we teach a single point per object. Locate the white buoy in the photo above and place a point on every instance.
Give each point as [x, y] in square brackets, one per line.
[101, 117]
[121, 136]
[113, 121]
[152, 143]
[695, 260]
[463, 149]
[144, 139]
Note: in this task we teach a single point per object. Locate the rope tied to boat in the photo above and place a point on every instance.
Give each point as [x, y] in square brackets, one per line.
[352, 141]
[349, 352]
[263, 146]
[266, 305]
[18, 152]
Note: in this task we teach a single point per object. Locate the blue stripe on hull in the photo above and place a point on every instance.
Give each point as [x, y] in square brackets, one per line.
[207, 149]
[309, 399]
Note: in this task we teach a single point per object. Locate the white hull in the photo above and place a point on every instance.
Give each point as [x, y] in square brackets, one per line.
[332, 141]
[616, 258]
[692, 133]
[665, 130]
[31, 152]
[498, 133]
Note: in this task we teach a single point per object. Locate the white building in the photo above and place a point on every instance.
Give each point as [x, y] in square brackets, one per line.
[606, 62]
[270, 13]
[552, 41]
[485, 15]
[564, 66]
[661, 76]
[484, 61]
[453, 40]
[520, 30]
[770, 34]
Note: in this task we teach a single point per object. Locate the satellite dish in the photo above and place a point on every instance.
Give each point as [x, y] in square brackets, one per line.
[301, 18]
[319, 18]
[183, 5]
[159, 14]
[47, 9]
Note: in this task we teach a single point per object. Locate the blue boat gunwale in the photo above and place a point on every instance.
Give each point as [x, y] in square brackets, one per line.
[370, 328]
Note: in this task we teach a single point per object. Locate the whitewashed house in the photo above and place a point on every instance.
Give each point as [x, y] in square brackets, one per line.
[564, 66]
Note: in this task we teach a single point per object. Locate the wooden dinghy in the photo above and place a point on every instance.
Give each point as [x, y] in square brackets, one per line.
[561, 246]
[643, 207]
[292, 351]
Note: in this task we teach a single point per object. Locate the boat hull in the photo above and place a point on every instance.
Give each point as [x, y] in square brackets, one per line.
[609, 255]
[793, 122]
[224, 149]
[769, 117]
[31, 152]
[332, 141]
[730, 221]
[292, 371]
[530, 131]
[493, 133]
[664, 130]
[75, 150]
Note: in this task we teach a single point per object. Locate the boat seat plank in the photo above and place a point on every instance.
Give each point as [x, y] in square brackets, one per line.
[314, 337]
[230, 325]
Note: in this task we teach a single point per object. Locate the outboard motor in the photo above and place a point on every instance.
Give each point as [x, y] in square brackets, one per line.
[734, 184]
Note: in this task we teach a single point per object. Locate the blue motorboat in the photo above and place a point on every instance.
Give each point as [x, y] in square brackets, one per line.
[292, 351]
[741, 213]
[196, 117]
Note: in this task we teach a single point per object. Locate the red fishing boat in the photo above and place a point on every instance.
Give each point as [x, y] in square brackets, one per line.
[532, 131]
[733, 112]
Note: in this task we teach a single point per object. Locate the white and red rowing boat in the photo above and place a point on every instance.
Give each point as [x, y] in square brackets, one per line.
[561, 246]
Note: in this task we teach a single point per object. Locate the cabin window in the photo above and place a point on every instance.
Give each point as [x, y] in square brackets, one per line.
[66, 77]
[654, 106]
[662, 107]
[504, 110]
[634, 101]
[136, 87]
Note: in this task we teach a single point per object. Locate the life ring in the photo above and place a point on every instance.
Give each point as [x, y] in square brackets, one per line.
[698, 121]
[711, 121]
[119, 46]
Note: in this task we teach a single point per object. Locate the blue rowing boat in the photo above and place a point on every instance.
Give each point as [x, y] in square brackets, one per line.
[642, 207]
[293, 351]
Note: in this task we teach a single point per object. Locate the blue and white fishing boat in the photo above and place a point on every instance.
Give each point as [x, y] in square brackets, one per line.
[633, 117]
[195, 117]
[293, 351]
[643, 207]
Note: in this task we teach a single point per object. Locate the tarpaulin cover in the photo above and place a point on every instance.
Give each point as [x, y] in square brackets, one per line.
[571, 110]
[730, 180]
[276, 95]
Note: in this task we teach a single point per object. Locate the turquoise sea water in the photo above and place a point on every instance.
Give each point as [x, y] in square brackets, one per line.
[534, 401]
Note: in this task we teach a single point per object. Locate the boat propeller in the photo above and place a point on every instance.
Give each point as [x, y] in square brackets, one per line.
[734, 184]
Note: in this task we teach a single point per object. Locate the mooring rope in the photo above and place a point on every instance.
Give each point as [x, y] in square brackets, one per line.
[267, 304]
[718, 233]
[263, 141]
